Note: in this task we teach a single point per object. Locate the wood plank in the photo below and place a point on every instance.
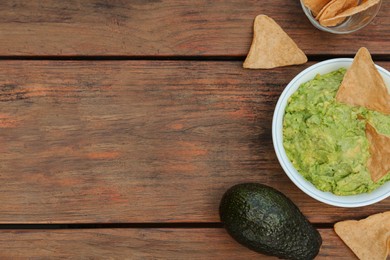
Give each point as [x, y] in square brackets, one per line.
[142, 244]
[165, 28]
[139, 141]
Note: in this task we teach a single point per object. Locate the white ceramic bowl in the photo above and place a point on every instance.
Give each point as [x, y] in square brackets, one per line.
[360, 200]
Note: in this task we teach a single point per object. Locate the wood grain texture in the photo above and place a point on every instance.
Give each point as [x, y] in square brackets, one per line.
[165, 28]
[139, 141]
[142, 244]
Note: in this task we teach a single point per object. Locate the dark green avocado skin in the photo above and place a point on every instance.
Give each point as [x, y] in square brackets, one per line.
[265, 220]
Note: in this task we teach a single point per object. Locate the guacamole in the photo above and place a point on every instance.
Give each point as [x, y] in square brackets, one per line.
[325, 140]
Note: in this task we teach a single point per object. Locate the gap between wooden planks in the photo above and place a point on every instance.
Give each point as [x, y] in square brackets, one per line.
[139, 141]
[168, 28]
[142, 244]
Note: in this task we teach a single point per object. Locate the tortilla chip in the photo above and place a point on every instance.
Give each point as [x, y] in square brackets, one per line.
[368, 238]
[272, 47]
[364, 86]
[333, 22]
[332, 9]
[315, 6]
[324, 8]
[351, 11]
[379, 162]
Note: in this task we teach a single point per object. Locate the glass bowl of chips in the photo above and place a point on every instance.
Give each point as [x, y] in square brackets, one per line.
[347, 201]
[340, 16]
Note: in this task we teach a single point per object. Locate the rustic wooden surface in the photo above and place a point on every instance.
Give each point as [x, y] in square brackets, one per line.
[130, 147]
[135, 141]
[167, 28]
[142, 244]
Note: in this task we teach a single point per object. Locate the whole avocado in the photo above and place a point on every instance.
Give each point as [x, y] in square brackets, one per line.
[265, 220]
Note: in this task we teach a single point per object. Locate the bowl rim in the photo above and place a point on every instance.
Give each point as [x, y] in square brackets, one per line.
[291, 172]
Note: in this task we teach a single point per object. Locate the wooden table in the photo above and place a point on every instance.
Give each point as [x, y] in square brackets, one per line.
[122, 123]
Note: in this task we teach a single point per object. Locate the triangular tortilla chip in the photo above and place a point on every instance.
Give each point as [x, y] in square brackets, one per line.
[354, 10]
[379, 162]
[333, 22]
[272, 47]
[324, 8]
[368, 238]
[364, 86]
[332, 9]
[315, 6]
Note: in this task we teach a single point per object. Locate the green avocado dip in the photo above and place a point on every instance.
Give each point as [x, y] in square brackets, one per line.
[326, 141]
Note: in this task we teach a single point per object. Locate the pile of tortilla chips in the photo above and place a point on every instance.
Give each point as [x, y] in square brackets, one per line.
[364, 86]
[368, 238]
[333, 12]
